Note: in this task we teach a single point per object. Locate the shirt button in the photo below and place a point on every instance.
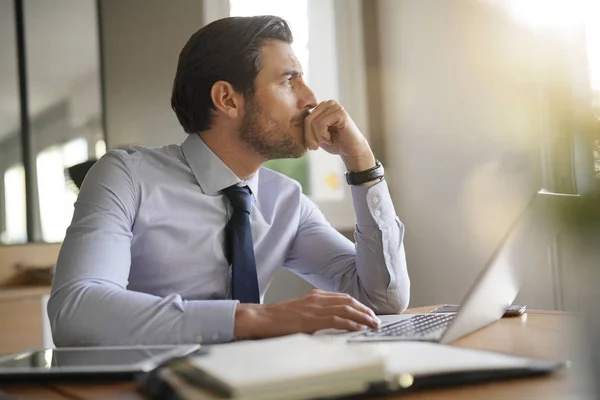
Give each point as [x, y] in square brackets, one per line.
[199, 338]
[377, 213]
[216, 337]
[375, 200]
[387, 256]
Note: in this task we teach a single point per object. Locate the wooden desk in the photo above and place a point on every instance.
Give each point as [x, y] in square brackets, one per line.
[22, 312]
[539, 334]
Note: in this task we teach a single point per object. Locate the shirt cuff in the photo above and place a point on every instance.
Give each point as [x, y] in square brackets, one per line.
[209, 321]
[373, 205]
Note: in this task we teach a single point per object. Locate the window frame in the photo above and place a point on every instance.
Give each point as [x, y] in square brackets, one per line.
[30, 142]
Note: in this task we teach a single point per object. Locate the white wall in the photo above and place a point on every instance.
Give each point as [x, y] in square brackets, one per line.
[461, 124]
[141, 41]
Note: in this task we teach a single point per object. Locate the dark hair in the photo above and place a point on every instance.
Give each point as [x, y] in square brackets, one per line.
[227, 49]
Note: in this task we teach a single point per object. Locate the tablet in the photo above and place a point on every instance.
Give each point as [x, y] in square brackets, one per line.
[88, 363]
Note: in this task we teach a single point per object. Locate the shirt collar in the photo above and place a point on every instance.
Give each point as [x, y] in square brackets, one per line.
[211, 173]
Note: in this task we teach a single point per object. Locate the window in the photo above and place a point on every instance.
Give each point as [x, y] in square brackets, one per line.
[546, 14]
[572, 156]
[56, 195]
[100, 148]
[295, 12]
[49, 124]
[593, 49]
[14, 206]
[12, 184]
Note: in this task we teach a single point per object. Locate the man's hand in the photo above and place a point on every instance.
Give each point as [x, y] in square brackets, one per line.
[307, 314]
[330, 127]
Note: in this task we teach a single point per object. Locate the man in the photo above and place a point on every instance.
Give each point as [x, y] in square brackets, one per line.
[179, 244]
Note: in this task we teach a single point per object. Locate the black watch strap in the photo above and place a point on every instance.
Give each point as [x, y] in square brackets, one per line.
[358, 178]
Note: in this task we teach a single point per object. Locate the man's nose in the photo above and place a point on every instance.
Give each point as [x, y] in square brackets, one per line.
[307, 98]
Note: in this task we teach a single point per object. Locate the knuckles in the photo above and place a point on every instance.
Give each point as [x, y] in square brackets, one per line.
[347, 309]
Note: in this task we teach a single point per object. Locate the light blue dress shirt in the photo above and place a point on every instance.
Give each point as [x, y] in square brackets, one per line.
[143, 261]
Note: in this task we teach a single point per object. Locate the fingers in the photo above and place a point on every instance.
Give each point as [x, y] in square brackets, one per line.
[315, 128]
[332, 121]
[350, 313]
[345, 307]
[335, 322]
[321, 108]
[331, 299]
[310, 313]
[312, 142]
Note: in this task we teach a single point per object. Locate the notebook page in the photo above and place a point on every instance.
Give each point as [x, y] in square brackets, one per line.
[246, 364]
[422, 358]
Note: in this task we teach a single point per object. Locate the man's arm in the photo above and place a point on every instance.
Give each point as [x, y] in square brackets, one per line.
[90, 305]
[374, 270]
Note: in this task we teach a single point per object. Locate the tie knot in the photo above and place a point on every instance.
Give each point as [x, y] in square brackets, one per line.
[239, 197]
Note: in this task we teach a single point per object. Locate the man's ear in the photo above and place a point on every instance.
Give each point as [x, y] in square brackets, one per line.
[226, 100]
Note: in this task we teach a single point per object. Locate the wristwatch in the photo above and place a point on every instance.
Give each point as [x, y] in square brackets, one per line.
[372, 174]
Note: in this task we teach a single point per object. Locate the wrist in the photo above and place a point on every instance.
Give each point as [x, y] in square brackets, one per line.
[360, 163]
[244, 324]
[371, 183]
[368, 177]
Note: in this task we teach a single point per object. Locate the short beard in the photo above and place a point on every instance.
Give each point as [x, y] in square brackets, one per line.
[267, 136]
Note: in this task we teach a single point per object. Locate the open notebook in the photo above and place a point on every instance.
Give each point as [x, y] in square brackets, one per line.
[305, 367]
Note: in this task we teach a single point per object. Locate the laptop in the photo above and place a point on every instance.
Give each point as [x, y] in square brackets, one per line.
[523, 247]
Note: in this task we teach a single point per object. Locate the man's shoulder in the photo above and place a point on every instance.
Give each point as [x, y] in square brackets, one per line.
[140, 164]
[146, 153]
[134, 155]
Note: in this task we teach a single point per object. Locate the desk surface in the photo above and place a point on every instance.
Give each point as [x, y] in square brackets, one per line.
[539, 334]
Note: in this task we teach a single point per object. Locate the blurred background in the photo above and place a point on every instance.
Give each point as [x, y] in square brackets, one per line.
[473, 106]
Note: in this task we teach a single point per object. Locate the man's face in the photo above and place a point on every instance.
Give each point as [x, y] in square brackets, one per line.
[273, 121]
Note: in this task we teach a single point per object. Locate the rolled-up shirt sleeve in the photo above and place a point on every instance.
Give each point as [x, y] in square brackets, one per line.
[373, 270]
[90, 303]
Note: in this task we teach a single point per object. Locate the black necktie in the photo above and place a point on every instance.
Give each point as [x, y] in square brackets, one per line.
[239, 247]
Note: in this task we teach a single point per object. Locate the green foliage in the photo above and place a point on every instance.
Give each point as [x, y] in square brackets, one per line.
[295, 168]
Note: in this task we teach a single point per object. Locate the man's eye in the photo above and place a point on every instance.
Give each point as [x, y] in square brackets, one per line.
[288, 81]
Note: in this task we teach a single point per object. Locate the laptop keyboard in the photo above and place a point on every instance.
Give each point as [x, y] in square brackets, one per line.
[419, 325]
